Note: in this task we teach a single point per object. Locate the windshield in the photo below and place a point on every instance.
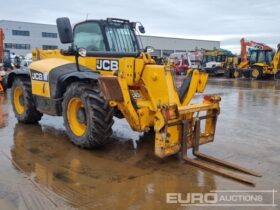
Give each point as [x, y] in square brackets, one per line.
[261, 57]
[253, 57]
[121, 38]
[208, 58]
[269, 56]
[89, 36]
[221, 58]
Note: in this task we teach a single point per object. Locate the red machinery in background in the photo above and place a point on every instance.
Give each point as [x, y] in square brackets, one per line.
[180, 62]
[2, 87]
[1, 45]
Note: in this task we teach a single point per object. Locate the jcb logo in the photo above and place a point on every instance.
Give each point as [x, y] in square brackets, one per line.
[107, 65]
[35, 75]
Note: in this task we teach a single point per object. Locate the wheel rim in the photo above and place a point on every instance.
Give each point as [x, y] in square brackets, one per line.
[255, 73]
[236, 74]
[77, 126]
[19, 100]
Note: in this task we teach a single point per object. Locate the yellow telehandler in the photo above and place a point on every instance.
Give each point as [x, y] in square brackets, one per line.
[105, 73]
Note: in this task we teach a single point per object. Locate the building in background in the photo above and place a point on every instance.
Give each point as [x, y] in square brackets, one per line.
[164, 46]
[22, 37]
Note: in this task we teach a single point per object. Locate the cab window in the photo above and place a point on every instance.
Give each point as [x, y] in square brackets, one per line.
[121, 38]
[253, 57]
[269, 56]
[261, 58]
[89, 36]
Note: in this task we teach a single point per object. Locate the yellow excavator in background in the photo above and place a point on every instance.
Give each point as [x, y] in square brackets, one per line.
[260, 64]
[104, 74]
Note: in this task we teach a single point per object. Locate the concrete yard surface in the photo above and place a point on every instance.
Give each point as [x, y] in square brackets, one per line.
[41, 169]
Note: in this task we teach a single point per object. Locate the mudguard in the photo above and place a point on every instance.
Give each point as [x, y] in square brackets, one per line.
[59, 88]
[13, 74]
[55, 74]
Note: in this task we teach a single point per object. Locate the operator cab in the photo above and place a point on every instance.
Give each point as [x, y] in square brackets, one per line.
[260, 56]
[208, 58]
[110, 37]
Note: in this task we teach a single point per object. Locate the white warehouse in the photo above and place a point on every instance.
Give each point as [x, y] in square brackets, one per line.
[22, 37]
[164, 46]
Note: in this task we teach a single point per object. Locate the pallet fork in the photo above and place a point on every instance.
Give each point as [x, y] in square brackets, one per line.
[205, 164]
[192, 137]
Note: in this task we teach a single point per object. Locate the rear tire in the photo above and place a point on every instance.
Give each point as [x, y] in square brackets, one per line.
[256, 73]
[23, 103]
[88, 117]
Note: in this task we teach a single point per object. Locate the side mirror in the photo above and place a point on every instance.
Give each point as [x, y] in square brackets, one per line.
[64, 29]
[141, 29]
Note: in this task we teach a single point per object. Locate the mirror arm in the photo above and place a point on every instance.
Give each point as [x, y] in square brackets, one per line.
[77, 58]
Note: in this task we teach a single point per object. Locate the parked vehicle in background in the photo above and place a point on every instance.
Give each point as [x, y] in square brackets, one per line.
[180, 62]
[230, 65]
[196, 59]
[25, 63]
[213, 61]
[2, 65]
[258, 60]
[15, 61]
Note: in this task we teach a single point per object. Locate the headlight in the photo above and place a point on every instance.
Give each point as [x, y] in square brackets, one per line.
[82, 52]
[149, 49]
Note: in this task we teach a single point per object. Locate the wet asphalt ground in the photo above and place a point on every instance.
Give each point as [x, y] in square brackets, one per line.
[41, 169]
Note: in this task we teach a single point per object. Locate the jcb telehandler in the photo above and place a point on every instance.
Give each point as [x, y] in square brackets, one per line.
[104, 73]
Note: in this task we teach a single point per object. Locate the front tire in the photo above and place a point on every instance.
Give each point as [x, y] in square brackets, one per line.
[256, 73]
[23, 103]
[88, 118]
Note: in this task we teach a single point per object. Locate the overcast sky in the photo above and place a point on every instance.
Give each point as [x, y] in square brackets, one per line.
[223, 20]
